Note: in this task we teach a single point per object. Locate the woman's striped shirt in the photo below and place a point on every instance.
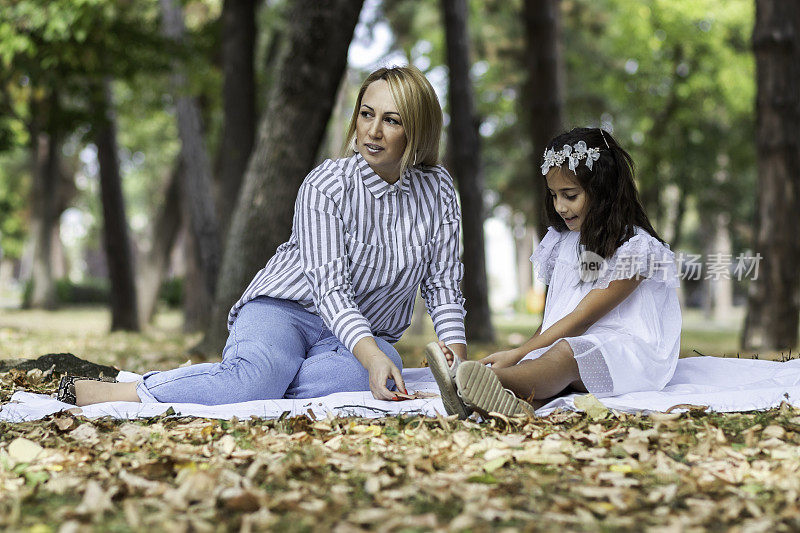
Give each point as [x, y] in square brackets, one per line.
[360, 247]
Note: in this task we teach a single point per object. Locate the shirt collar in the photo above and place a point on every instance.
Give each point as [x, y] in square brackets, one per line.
[376, 184]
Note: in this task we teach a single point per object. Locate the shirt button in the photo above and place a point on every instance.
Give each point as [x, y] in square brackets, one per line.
[392, 188]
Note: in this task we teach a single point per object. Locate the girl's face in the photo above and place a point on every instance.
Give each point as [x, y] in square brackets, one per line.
[380, 137]
[569, 198]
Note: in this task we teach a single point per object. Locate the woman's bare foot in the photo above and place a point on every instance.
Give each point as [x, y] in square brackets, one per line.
[88, 392]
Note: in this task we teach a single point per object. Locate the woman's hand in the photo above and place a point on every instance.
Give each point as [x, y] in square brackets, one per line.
[502, 359]
[380, 369]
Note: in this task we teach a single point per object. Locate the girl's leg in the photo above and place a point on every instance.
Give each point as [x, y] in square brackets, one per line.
[330, 368]
[545, 376]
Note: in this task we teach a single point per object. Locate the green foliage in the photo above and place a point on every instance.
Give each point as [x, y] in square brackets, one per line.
[171, 292]
[91, 291]
[97, 291]
[674, 79]
[14, 185]
[64, 47]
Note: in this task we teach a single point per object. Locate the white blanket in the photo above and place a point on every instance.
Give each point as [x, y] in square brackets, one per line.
[723, 385]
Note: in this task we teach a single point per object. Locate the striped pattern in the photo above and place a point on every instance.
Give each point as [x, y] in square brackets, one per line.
[361, 247]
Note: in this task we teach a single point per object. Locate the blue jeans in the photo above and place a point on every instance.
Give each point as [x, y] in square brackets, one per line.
[275, 349]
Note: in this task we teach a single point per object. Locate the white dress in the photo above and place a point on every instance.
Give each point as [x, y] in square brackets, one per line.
[635, 346]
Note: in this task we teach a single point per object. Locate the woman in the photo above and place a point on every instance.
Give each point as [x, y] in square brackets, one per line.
[368, 231]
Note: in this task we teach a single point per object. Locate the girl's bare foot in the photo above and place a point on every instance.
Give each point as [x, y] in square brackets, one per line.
[88, 392]
[448, 353]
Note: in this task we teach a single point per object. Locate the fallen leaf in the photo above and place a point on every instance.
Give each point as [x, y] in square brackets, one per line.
[774, 431]
[22, 450]
[95, 500]
[591, 406]
[85, 433]
[226, 445]
[494, 464]
[65, 423]
[237, 499]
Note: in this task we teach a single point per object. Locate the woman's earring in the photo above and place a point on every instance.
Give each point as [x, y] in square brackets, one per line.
[353, 145]
[415, 160]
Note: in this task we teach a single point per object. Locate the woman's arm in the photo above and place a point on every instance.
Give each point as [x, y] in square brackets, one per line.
[444, 271]
[320, 231]
[592, 308]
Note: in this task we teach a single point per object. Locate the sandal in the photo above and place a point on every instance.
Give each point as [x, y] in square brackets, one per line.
[66, 387]
[480, 389]
[444, 374]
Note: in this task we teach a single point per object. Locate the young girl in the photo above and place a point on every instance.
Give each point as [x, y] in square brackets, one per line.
[611, 321]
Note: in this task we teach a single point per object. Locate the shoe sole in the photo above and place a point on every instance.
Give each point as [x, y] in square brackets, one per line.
[480, 389]
[437, 362]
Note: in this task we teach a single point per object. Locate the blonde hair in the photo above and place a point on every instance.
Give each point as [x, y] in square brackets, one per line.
[419, 109]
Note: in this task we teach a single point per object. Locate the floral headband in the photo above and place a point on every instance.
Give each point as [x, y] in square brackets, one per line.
[574, 154]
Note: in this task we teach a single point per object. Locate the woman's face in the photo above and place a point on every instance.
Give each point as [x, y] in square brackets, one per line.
[569, 198]
[380, 137]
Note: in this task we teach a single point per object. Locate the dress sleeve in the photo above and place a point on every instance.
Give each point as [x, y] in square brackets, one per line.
[440, 286]
[545, 255]
[326, 266]
[641, 255]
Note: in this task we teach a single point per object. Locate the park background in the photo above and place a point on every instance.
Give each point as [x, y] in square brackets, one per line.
[150, 154]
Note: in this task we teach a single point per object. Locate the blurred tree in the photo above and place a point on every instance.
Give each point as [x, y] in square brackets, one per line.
[239, 104]
[774, 300]
[204, 236]
[544, 89]
[119, 253]
[674, 82]
[313, 58]
[50, 195]
[464, 158]
[153, 264]
[55, 53]
[13, 206]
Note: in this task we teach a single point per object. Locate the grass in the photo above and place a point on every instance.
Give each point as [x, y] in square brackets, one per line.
[83, 331]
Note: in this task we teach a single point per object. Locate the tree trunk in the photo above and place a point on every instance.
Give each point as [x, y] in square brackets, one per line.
[239, 104]
[465, 160]
[291, 130]
[197, 181]
[722, 288]
[119, 256]
[677, 222]
[718, 259]
[523, 248]
[51, 193]
[545, 87]
[45, 216]
[154, 263]
[196, 304]
[774, 298]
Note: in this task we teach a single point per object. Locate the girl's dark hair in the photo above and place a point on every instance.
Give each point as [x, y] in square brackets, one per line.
[614, 207]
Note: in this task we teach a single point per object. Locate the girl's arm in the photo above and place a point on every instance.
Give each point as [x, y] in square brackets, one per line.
[592, 308]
